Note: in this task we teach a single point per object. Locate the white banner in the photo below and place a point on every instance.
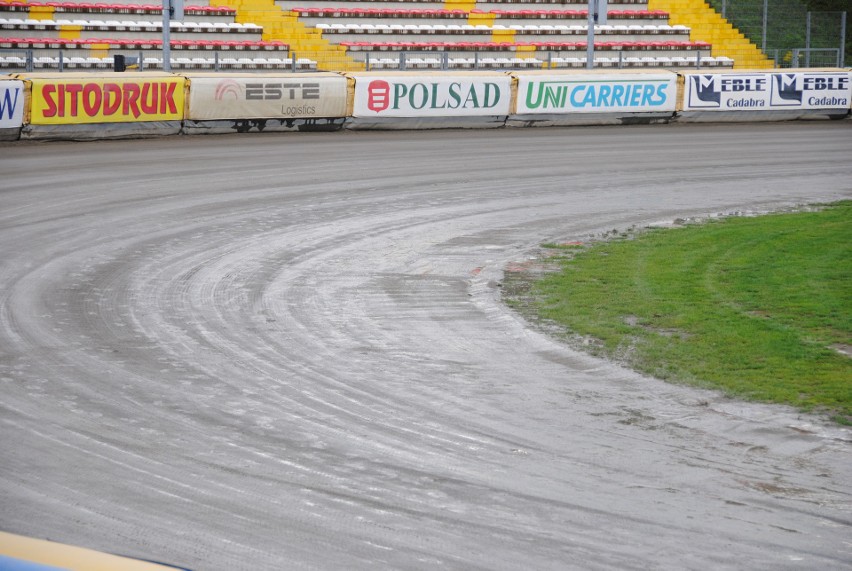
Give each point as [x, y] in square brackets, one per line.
[767, 91]
[451, 95]
[11, 104]
[287, 96]
[596, 93]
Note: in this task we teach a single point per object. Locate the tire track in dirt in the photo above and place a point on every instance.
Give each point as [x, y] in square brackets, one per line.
[290, 352]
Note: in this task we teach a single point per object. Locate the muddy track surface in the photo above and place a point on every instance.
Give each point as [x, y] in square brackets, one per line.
[289, 352]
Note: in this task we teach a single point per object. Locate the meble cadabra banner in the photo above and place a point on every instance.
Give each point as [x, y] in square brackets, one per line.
[267, 97]
[596, 93]
[11, 104]
[81, 100]
[450, 95]
[767, 91]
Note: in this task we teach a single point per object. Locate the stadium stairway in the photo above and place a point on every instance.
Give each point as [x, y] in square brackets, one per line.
[709, 26]
[304, 41]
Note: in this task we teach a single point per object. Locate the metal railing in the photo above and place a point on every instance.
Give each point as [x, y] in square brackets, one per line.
[802, 57]
[445, 61]
[16, 60]
[12, 60]
[786, 25]
[29, 60]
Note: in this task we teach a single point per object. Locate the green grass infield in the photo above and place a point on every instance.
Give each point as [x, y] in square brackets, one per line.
[756, 306]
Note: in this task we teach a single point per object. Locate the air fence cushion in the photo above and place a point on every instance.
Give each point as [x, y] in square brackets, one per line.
[548, 98]
[12, 105]
[265, 102]
[225, 126]
[424, 100]
[100, 131]
[88, 106]
[762, 95]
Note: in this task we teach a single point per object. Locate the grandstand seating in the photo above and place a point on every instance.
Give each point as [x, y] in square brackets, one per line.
[88, 34]
[90, 28]
[178, 63]
[500, 34]
[351, 34]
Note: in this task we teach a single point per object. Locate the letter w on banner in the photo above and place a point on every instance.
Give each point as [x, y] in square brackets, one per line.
[11, 104]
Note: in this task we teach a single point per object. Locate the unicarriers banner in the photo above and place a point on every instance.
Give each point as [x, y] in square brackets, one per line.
[11, 104]
[453, 95]
[267, 97]
[96, 99]
[596, 93]
[767, 91]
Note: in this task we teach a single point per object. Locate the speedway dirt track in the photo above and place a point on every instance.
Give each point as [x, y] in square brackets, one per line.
[289, 352]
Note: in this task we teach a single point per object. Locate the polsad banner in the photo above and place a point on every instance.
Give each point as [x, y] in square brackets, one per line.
[431, 95]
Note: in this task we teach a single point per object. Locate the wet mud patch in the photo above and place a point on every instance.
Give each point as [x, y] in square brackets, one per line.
[518, 285]
[777, 489]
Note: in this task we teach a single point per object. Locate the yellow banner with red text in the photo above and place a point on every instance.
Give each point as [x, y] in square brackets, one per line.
[58, 101]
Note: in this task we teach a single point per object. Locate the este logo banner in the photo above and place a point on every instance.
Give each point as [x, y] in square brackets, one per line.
[57, 102]
[267, 97]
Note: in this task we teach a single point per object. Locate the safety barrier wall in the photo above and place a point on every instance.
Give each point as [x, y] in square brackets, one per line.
[97, 106]
[21, 553]
[593, 98]
[265, 102]
[403, 100]
[760, 95]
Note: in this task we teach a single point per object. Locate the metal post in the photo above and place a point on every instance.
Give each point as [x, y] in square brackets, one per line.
[367, 61]
[725, 9]
[795, 62]
[167, 40]
[30, 64]
[842, 40]
[590, 37]
[620, 59]
[808, 40]
[765, 19]
[293, 59]
[402, 61]
[445, 61]
[698, 60]
[216, 60]
[141, 61]
[61, 61]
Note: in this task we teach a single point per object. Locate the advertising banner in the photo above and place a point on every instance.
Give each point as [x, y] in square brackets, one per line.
[449, 95]
[266, 97]
[11, 104]
[596, 93]
[123, 99]
[767, 91]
